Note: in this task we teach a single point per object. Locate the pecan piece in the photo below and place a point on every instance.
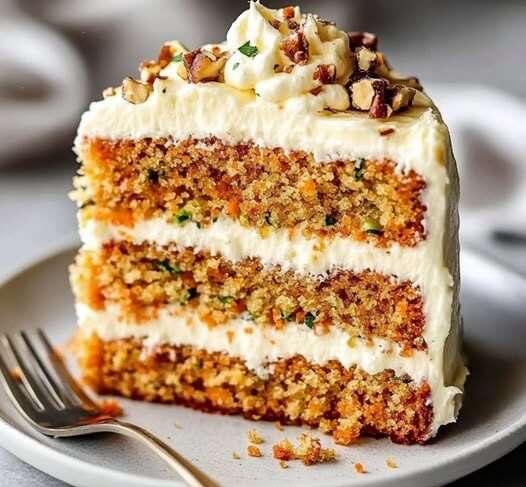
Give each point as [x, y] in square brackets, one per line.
[366, 59]
[325, 73]
[166, 55]
[135, 91]
[296, 47]
[379, 107]
[202, 66]
[364, 91]
[365, 39]
[401, 97]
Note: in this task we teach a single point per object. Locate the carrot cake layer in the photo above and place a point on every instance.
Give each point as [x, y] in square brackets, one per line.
[200, 180]
[270, 227]
[142, 278]
[346, 402]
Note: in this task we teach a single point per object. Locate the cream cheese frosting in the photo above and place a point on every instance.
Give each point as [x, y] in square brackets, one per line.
[256, 104]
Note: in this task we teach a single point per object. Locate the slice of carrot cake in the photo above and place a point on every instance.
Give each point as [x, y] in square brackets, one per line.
[270, 228]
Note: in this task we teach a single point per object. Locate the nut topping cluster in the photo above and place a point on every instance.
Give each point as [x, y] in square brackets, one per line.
[374, 86]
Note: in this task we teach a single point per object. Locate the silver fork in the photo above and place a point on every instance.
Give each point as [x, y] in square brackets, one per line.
[47, 396]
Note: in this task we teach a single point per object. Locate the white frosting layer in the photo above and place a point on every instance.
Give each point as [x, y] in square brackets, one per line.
[301, 254]
[259, 347]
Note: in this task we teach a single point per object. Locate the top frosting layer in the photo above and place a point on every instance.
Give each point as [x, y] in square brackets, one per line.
[279, 55]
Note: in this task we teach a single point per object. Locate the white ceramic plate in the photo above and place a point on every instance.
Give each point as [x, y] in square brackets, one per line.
[493, 420]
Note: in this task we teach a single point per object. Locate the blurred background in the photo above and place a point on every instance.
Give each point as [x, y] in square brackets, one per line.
[57, 55]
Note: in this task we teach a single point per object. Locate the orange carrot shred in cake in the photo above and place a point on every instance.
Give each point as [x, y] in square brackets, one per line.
[270, 228]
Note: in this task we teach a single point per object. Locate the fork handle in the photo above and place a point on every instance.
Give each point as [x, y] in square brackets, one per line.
[190, 474]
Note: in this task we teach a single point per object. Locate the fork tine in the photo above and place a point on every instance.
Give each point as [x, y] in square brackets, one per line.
[62, 396]
[33, 383]
[68, 382]
[14, 386]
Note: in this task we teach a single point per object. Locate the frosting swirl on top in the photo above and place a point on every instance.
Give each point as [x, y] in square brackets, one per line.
[284, 55]
[267, 29]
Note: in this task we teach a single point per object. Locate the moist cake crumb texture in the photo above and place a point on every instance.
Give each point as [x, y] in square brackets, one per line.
[270, 229]
[345, 403]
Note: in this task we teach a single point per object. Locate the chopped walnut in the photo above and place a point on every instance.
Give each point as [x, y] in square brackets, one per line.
[402, 97]
[202, 65]
[135, 91]
[296, 47]
[366, 59]
[254, 437]
[236, 455]
[283, 464]
[391, 463]
[380, 108]
[309, 450]
[364, 92]
[365, 39]
[254, 451]
[325, 73]
[150, 70]
[166, 55]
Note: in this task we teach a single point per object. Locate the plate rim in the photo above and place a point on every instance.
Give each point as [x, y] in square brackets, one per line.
[27, 448]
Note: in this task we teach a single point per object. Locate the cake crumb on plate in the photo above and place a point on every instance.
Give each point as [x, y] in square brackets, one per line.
[254, 451]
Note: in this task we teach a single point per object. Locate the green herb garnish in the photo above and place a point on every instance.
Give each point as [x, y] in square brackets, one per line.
[178, 58]
[248, 50]
[359, 168]
[330, 220]
[164, 265]
[182, 216]
[372, 226]
[235, 66]
[309, 319]
[286, 315]
[225, 299]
